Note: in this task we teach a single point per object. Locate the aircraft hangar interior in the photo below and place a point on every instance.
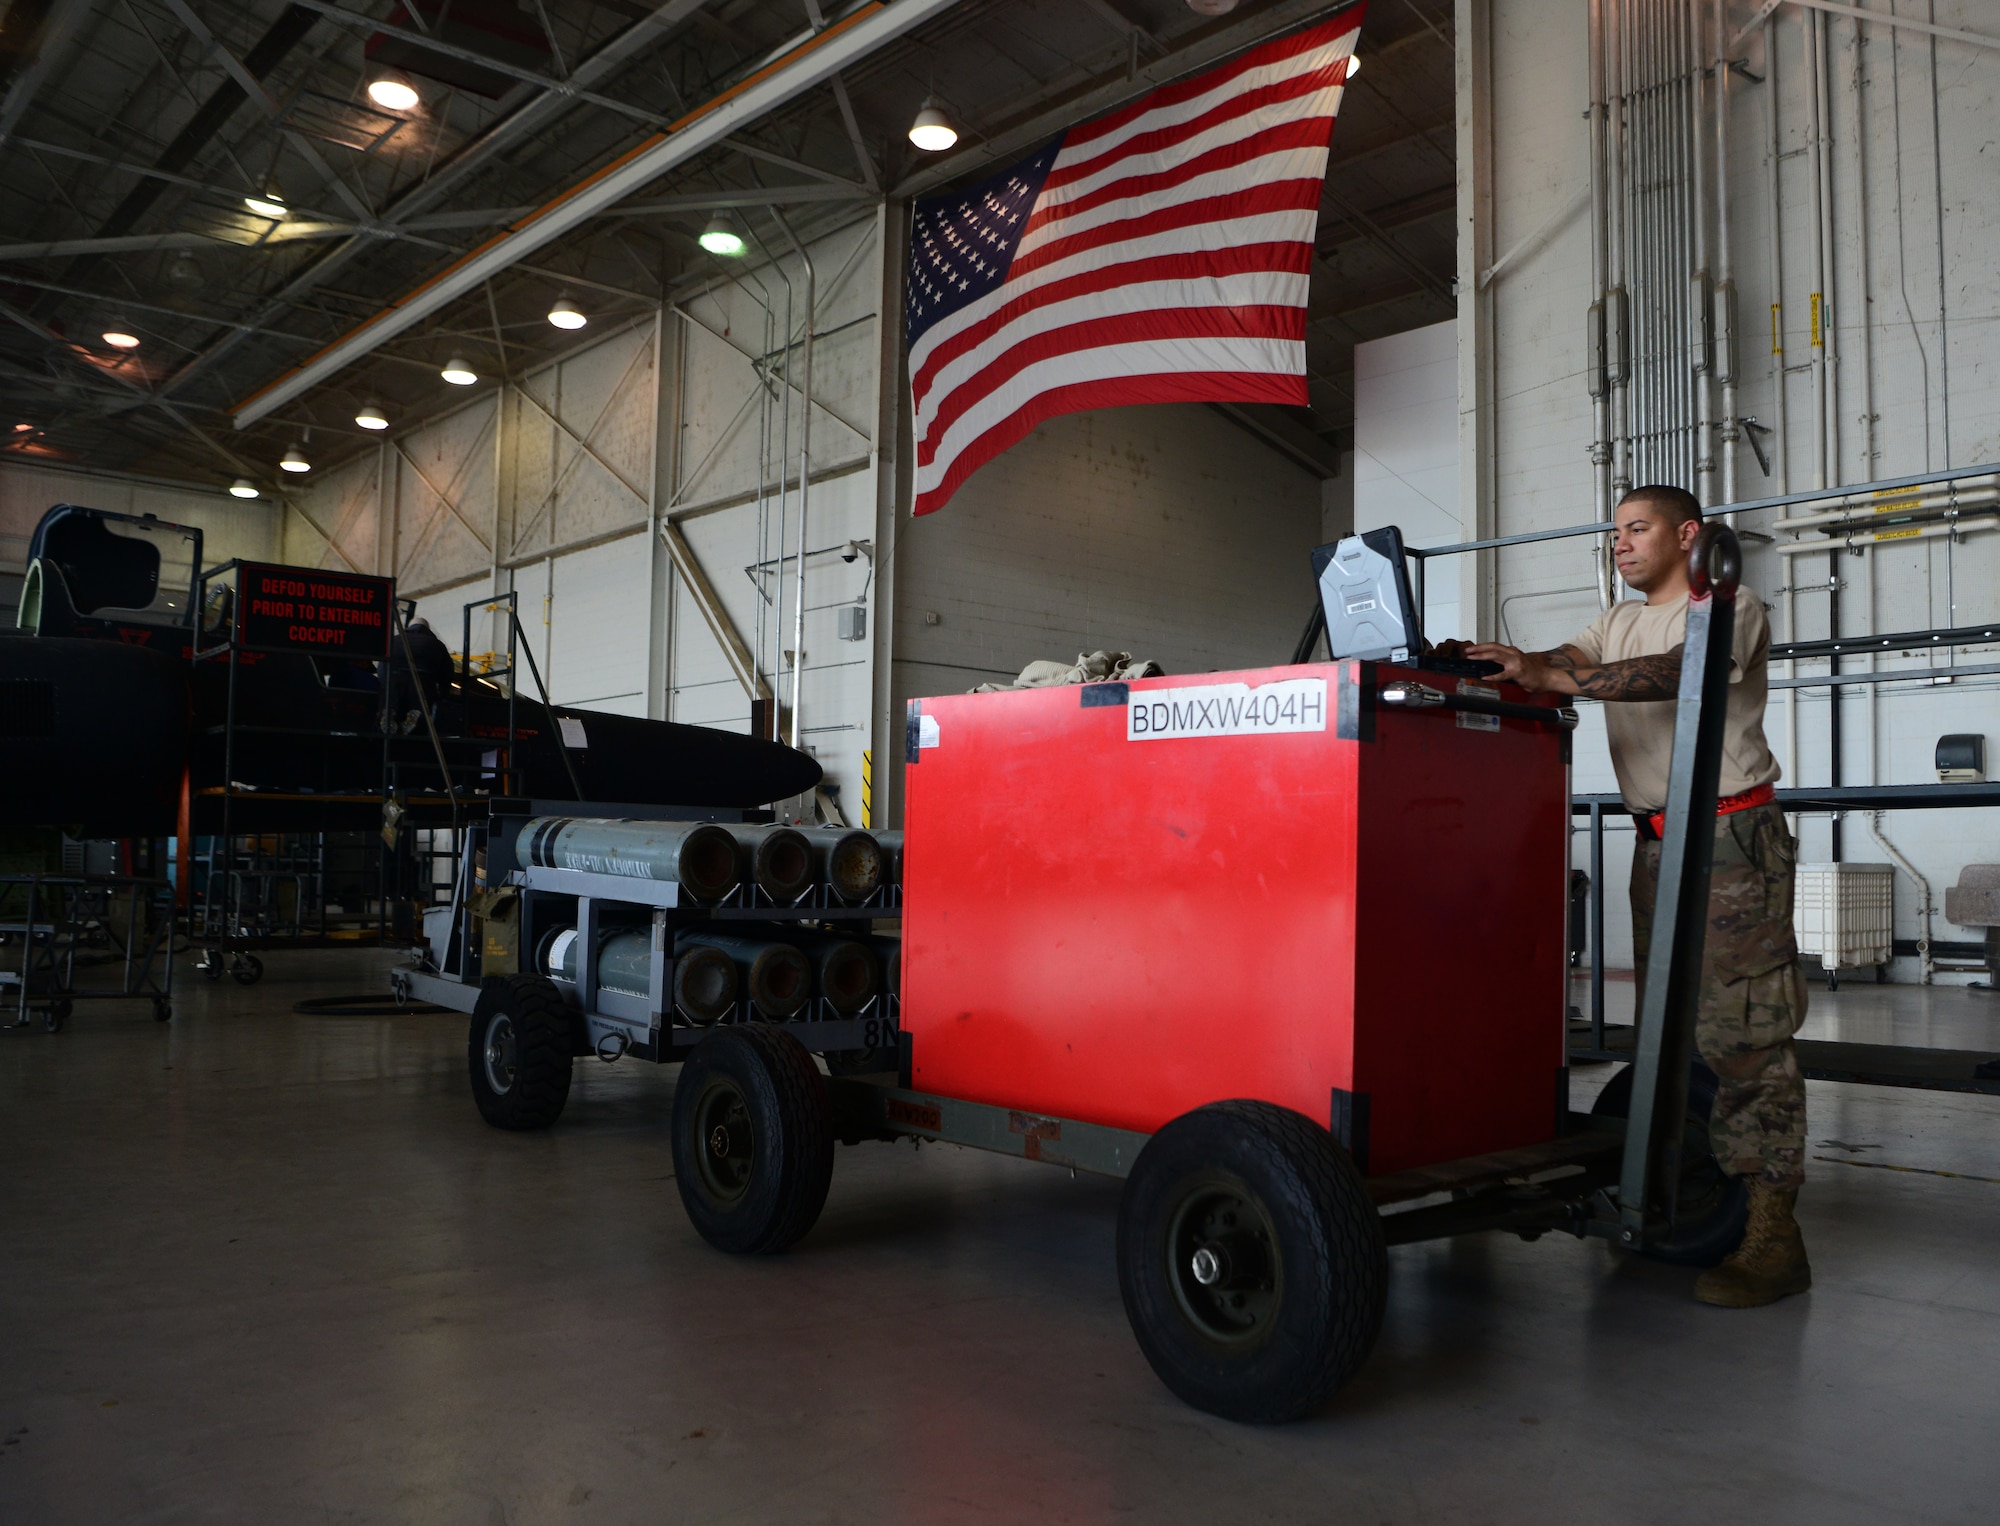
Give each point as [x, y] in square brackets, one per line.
[999, 760]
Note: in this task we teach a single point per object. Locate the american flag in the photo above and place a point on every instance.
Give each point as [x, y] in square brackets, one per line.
[1158, 254]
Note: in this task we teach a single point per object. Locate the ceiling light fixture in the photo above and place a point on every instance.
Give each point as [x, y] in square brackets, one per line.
[932, 130]
[120, 337]
[720, 237]
[1211, 7]
[371, 417]
[564, 315]
[1353, 67]
[294, 460]
[392, 91]
[184, 272]
[458, 373]
[269, 202]
[242, 487]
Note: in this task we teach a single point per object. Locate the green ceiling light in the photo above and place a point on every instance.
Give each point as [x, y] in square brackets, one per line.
[720, 237]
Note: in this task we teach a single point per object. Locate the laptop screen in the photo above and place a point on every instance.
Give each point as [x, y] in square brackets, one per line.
[1364, 588]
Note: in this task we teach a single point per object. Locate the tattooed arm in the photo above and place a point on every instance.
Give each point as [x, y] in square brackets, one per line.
[1566, 670]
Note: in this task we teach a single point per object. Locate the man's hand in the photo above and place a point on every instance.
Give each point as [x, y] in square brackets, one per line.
[1567, 671]
[1537, 672]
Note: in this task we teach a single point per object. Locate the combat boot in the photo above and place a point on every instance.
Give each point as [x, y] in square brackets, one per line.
[1770, 1263]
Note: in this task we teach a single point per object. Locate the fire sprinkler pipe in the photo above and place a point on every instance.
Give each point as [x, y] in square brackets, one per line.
[805, 472]
[1723, 324]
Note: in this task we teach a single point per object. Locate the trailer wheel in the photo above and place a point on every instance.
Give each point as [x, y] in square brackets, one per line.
[518, 1053]
[1251, 1261]
[753, 1139]
[1714, 1206]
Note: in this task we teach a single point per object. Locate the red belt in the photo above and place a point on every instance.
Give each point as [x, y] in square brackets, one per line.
[1728, 805]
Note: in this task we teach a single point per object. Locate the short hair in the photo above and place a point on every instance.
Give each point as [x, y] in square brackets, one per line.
[1676, 501]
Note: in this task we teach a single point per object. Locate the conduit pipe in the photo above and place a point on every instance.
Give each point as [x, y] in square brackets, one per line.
[1924, 903]
[1600, 337]
[1722, 326]
[1822, 235]
[1700, 282]
[1986, 520]
[805, 470]
[1878, 513]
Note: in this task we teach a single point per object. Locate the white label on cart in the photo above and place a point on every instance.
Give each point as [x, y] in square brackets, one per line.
[1226, 710]
[1469, 720]
[927, 731]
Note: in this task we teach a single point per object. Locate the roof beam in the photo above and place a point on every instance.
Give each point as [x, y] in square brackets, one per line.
[809, 64]
[59, 34]
[531, 116]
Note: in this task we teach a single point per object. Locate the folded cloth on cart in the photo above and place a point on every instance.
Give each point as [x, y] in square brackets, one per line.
[1089, 668]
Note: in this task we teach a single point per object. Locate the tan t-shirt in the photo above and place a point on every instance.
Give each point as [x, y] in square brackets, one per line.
[1642, 734]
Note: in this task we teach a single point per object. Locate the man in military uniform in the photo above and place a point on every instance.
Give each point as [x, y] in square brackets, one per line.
[1753, 995]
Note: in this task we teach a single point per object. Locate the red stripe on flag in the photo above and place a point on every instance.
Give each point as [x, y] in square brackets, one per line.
[1227, 111]
[1308, 132]
[1165, 323]
[1188, 89]
[1288, 258]
[1273, 196]
[1175, 387]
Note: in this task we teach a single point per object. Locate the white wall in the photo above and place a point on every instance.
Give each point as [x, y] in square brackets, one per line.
[553, 484]
[1162, 530]
[229, 527]
[1910, 302]
[1406, 452]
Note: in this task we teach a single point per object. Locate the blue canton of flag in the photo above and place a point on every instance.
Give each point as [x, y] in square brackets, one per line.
[962, 244]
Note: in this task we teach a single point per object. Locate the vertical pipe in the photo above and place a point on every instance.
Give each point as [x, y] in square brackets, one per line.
[1600, 445]
[1617, 314]
[1864, 276]
[1809, 30]
[1722, 326]
[1701, 372]
[1780, 437]
[805, 473]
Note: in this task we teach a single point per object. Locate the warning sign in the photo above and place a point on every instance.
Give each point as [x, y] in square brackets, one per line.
[298, 609]
[1226, 710]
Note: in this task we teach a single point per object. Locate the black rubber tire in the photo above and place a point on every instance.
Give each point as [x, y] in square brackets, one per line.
[1714, 1206]
[524, 1083]
[1322, 1293]
[754, 1090]
[246, 969]
[210, 966]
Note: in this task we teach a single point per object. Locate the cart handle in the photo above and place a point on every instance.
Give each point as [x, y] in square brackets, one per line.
[1416, 696]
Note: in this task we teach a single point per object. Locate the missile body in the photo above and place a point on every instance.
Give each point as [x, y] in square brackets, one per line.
[777, 977]
[705, 982]
[851, 863]
[699, 856]
[779, 861]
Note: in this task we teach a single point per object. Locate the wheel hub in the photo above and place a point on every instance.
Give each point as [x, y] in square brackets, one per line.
[1223, 1263]
[723, 1119]
[502, 1054]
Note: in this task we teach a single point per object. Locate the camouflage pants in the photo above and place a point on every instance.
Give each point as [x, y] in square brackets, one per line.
[1753, 994]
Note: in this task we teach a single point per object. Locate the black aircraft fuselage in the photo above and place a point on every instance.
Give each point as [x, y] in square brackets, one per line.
[117, 687]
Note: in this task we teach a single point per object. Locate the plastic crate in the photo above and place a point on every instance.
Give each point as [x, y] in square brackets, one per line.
[1845, 913]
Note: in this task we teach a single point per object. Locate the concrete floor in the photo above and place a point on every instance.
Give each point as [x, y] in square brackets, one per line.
[266, 1268]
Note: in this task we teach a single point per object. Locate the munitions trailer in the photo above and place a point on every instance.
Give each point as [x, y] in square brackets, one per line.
[1284, 949]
